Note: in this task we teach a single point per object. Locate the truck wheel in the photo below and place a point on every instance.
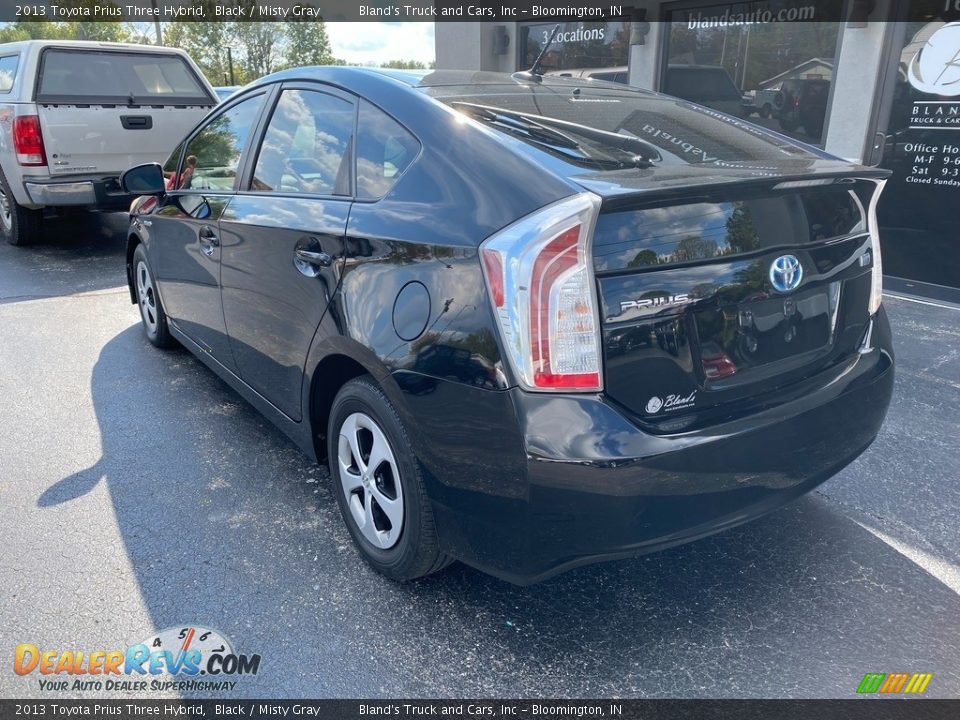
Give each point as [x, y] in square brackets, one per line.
[766, 111]
[18, 225]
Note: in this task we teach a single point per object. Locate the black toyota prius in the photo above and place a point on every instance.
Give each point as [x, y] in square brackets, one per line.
[529, 322]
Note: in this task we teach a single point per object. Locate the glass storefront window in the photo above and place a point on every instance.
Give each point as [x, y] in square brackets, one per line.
[581, 49]
[771, 62]
[918, 211]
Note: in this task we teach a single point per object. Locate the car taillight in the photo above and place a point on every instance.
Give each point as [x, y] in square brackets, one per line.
[876, 273]
[539, 274]
[28, 140]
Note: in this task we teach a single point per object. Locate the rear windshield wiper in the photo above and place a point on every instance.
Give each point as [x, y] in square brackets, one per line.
[558, 133]
[519, 123]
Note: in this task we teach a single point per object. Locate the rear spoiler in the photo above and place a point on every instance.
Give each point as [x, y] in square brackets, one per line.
[708, 186]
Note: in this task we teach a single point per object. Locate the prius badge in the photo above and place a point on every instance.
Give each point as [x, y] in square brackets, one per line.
[786, 272]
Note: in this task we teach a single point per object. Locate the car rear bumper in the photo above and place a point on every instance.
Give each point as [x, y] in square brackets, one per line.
[99, 193]
[593, 486]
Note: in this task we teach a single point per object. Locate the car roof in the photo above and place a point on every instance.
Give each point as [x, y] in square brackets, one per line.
[432, 78]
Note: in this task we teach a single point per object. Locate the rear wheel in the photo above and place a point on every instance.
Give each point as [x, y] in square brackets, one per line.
[19, 225]
[378, 484]
[151, 309]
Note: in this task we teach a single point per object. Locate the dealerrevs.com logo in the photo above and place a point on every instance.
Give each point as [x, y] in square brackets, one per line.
[179, 658]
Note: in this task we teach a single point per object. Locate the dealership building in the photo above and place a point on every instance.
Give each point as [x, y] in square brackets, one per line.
[874, 81]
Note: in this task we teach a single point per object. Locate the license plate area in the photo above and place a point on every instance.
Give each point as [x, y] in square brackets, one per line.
[764, 335]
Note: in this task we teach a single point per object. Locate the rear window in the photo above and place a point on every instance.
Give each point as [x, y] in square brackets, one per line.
[724, 226]
[123, 78]
[8, 71]
[682, 134]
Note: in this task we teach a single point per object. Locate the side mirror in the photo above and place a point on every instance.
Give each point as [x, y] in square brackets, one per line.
[144, 180]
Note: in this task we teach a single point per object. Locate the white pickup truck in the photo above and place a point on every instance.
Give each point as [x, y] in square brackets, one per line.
[74, 115]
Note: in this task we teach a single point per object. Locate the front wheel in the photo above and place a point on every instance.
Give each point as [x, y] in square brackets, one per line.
[378, 484]
[151, 309]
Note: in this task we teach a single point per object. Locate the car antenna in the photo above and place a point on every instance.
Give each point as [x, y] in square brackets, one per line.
[535, 73]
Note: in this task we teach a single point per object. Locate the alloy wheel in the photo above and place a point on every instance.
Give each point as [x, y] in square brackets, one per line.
[370, 479]
[146, 297]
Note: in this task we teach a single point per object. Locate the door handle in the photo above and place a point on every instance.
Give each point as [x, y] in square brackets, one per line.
[208, 240]
[314, 258]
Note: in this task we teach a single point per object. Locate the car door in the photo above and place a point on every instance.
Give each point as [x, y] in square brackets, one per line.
[185, 239]
[283, 238]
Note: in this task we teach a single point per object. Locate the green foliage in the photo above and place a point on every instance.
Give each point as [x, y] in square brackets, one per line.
[250, 49]
[257, 48]
[405, 65]
[76, 30]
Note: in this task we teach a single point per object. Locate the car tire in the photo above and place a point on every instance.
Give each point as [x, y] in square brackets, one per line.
[788, 125]
[19, 225]
[154, 318]
[384, 506]
[766, 111]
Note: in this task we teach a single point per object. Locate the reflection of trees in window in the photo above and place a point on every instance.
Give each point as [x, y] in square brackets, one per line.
[217, 145]
[694, 247]
[644, 258]
[741, 233]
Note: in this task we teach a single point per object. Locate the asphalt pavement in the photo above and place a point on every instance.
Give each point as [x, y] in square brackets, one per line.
[138, 492]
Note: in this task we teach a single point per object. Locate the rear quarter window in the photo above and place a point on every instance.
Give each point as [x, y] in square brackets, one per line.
[8, 71]
[384, 150]
[127, 78]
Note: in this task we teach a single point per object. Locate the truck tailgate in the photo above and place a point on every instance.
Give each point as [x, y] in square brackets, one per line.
[109, 139]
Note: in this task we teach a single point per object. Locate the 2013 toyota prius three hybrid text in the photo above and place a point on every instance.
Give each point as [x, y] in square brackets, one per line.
[530, 322]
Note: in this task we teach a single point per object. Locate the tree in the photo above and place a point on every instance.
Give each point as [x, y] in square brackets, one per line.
[405, 65]
[261, 46]
[307, 44]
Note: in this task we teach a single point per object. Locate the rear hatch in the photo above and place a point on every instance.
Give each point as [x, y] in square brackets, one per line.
[716, 303]
[733, 265]
[104, 110]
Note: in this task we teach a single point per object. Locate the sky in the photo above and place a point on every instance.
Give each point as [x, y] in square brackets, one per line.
[380, 42]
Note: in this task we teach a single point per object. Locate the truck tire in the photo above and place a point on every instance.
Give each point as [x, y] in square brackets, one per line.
[18, 225]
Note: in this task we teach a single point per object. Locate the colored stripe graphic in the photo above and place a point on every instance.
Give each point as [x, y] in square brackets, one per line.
[893, 683]
[871, 682]
[918, 682]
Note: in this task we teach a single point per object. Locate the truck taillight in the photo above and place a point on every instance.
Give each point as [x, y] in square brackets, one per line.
[28, 140]
[539, 274]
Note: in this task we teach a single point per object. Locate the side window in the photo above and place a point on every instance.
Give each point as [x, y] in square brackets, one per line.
[384, 150]
[8, 71]
[306, 148]
[170, 166]
[212, 158]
